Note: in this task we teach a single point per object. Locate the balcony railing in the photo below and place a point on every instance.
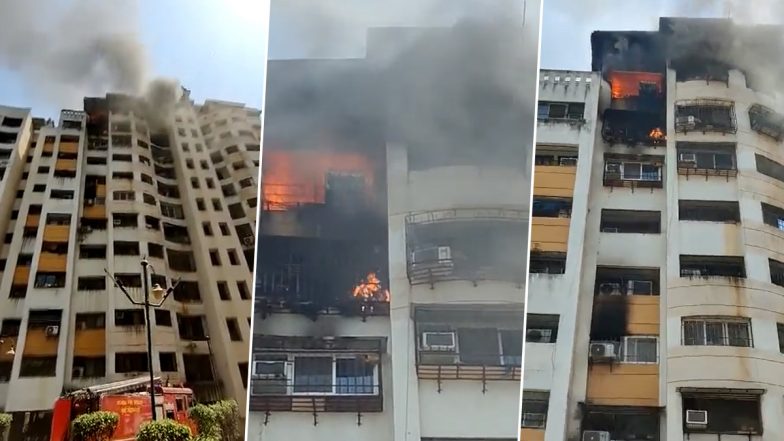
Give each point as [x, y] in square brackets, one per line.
[443, 366]
[705, 116]
[270, 395]
[633, 128]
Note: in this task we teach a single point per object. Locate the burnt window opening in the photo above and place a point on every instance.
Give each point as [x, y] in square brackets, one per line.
[10, 327]
[55, 248]
[130, 362]
[609, 320]
[176, 233]
[155, 250]
[707, 159]
[170, 191]
[14, 122]
[236, 211]
[709, 211]
[630, 221]
[464, 338]
[622, 423]
[168, 361]
[472, 245]
[129, 317]
[129, 280]
[776, 272]
[38, 366]
[551, 207]
[561, 111]
[163, 317]
[198, 368]
[165, 172]
[766, 122]
[181, 260]
[128, 176]
[699, 69]
[61, 194]
[92, 283]
[705, 116]
[124, 248]
[541, 328]
[713, 266]
[191, 327]
[626, 281]
[535, 407]
[88, 225]
[631, 127]
[547, 263]
[770, 168]
[722, 412]
[121, 141]
[121, 127]
[88, 367]
[234, 329]
[8, 137]
[58, 219]
[187, 292]
[634, 171]
[717, 331]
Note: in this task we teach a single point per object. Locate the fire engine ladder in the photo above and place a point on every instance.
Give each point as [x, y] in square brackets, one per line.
[130, 385]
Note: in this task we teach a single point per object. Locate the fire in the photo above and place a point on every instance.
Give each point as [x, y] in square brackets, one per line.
[656, 134]
[369, 288]
[299, 177]
[627, 84]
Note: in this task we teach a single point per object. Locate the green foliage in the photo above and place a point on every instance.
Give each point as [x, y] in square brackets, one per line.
[164, 430]
[96, 426]
[229, 420]
[206, 420]
[5, 421]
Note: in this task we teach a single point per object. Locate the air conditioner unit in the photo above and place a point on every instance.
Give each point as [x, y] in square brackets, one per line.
[609, 230]
[639, 287]
[117, 222]
[596, 435]
[77, 372]
[568, 161]
[610, 289]
[432, 255]
[52, 331]
[248, 241]
[686, 121]
[696, 419]
[612, 167]
[438, 341]
[603, 351]
[687, 157]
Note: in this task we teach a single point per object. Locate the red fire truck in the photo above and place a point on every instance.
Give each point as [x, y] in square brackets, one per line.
[130, 399]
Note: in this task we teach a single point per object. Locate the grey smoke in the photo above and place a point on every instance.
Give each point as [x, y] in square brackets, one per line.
[159, 101]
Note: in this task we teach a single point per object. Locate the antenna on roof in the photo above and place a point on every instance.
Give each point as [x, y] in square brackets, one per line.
[728, 8]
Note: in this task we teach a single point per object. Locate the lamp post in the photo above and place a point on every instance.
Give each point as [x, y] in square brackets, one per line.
[160, 295]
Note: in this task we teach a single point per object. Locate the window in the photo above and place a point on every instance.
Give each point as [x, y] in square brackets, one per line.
[200, 204]
[705, 156]
[563, 111]
[168, 361]
[210, 182]
[770, 168]
[224, 229]
[92, 251]
[62, 194]
[121, 158]
[223, 291]
[93, 283]
[236, 211]
[541, 328]
[124, 196]
[773, 216]
[149, 199]
[163, 317]
[640, 350]
[44, 280]
[39, 188]
[535, 407]
[91, 320]
[780, 330]
[216, 205]
[547, 263]
[172, 211]
[124, 248]
[633, 171]
[181, 260]
[551, 207]
[776, 272]
[130, 362]
[717, 331]
[233, 259]
[125, 220]
[728, 412]
[155, 250]
[215, 258]
[709, 211]
[129, 317]
[713, 266]
[705, 116]
[207, 228]
[630, 221]
[243, 290]
[195, 182]
[234, 329]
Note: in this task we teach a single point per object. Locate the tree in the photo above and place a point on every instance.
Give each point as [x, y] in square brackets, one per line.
[229, 420]
[95, 426]
[5, 423]
[164, 430]
[207, 424]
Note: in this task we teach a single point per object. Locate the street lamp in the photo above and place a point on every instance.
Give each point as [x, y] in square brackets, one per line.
[160, 295]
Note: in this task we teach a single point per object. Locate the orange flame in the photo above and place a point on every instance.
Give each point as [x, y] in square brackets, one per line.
[369, 288]
[656, 134]
[627, 84]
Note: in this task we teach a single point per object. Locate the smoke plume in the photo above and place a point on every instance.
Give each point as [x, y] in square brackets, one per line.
[159, 101]
[67, 50]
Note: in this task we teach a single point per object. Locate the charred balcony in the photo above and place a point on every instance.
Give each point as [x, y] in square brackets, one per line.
[459, 344]
[767, 122]
[705, 115]
[633, 127]
[314, 375]
[696, 68]
[626, 281]
[318, 276]
[547, 263]
[634, 171]
[470, 244]
[625, 423]
[551, 207]
[707, 159]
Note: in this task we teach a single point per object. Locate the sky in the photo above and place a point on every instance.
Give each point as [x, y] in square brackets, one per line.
[217, 49]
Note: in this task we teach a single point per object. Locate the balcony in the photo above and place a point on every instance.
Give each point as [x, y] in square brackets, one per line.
[705, 116]
[707, 159]
[52, 262]
[622, 422]
[766, 122]
[57, 233]
[727, 411]
[732, 267]
[633, 128]
[466, 244]
[458, 344]
[21, 276]
[633, 171]
[306, 374]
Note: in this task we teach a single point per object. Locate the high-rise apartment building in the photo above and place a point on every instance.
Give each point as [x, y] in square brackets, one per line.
[99, 191]
[655, 307]
[391, 267]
